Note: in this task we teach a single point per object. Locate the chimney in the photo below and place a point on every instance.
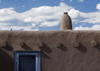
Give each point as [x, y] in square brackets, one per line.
[66, 23]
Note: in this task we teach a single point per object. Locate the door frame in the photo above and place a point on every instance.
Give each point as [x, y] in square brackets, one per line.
[18, 53]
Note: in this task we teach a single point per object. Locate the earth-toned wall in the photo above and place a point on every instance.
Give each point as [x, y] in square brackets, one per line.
[65, 50]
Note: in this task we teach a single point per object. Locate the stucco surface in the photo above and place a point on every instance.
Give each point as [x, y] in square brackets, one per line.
[66, 22]
[64, 58]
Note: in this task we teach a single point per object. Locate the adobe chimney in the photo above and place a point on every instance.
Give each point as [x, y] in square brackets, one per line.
[66, 22]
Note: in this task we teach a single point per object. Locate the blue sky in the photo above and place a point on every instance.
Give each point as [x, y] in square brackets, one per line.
[41, 15]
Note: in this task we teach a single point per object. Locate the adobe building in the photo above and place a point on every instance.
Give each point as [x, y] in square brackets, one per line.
[62, 50]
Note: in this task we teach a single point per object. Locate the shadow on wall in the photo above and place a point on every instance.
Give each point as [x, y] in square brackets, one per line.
[44, 50]
[98, 46]
[81, 48]
[7, 47]
[62, 47]
[6, 61]
[26, 47]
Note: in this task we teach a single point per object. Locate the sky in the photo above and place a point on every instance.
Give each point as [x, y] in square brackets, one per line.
[42, 15]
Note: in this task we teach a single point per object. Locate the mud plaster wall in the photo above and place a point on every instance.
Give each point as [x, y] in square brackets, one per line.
[65, 58]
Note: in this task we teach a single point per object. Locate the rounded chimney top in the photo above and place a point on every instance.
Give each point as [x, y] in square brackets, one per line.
[65, 13]
[66, 22]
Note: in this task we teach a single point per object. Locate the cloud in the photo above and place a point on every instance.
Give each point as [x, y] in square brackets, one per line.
[80, 0]
[98, 7]
[23, 6]
[44, 16]
[77, 0]
[91, 17]
[0, 1]
[70, 0]
[94, 27]
[62, 0]
[33, 0]
[82, 28]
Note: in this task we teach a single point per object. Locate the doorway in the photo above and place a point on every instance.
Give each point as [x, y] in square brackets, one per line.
[27, 60]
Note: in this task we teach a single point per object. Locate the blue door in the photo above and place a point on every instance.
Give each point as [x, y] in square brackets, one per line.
[27, 61]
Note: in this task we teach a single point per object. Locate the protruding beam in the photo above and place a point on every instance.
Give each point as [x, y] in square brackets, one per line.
[75, 44]
[40, 44]
[22, 44]
[93, 43]
[58, 45]
[3, 44]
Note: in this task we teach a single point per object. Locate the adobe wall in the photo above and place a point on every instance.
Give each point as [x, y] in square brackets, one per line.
[66, 57]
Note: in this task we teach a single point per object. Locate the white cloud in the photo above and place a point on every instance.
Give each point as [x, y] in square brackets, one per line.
[62, 0]
[70, 0]
[33, 0]
[54, 23]
[94, 27]
[23, 6]
[98, 7]
[91, 17]
[83, 23]
[75, 22]
[82, 28]
[77, 0]
[0, 1]
[44, 16]
[80, 0]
